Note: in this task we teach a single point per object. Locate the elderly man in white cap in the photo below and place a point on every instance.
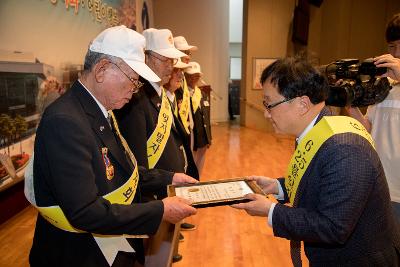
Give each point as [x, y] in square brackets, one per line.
[200, 107]
[182, 94]
[182, 45]
[85, 181]
[147, 122]
[175, 83]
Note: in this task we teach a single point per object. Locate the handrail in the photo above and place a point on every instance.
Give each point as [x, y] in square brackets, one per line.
[252, 105]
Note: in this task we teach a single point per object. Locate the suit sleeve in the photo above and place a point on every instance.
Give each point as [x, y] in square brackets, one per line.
[154, 180]
[64, 155]
[281, 181]
[134, 129]
[346, 175]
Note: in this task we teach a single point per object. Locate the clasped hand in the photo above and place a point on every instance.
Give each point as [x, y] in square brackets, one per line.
[176, 209]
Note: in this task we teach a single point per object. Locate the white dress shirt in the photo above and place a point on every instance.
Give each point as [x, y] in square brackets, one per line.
[103, 109]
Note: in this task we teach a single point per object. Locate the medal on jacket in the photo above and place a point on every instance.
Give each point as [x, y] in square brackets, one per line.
[107, 163]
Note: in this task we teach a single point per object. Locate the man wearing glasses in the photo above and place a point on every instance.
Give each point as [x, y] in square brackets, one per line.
[338, 197]
[85, 180]
[147, 122]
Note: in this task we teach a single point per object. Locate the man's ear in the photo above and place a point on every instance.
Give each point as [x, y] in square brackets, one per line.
[304, 104]
[99, 70]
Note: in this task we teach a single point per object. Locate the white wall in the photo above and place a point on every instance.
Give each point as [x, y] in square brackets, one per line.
[235, 21]
[236, 68]
[205, 24]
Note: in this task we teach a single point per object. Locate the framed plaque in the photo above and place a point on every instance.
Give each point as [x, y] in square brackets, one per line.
[216, 193]
[259, 64]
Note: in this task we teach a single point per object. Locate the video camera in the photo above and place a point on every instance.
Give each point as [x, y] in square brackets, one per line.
[353, 83]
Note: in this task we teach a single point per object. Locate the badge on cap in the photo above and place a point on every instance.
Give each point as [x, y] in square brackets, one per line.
[107, 163]
[170, 40]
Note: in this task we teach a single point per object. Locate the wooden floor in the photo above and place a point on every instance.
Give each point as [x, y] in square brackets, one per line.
[224, 236]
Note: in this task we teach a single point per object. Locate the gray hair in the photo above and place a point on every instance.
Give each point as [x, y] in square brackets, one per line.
[92, 58]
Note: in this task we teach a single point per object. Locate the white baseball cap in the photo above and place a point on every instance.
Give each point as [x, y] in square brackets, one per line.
[181, 44]
[181, 65]
[193, 68]
[161, 42]
[119, 41]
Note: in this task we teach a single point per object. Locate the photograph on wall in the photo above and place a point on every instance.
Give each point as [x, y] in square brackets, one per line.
[259, 64]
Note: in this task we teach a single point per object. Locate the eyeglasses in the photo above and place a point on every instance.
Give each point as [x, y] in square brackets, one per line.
[271, 106]
[136, 83]
[165, 59]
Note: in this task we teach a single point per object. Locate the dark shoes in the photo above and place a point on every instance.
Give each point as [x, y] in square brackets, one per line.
[176, 258]
[188, 227]
[181, 237]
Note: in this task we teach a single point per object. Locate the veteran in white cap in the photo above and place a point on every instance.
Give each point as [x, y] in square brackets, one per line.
[173, 84]
[182, 94]
[200, 108]
[182, 45]
[85, 179]
[147, 122]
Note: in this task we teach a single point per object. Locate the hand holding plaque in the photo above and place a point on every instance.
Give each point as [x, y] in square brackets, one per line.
[268, 185]
[176, 209]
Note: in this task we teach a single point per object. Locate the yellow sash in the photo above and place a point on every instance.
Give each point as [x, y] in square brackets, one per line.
[185, 106]
[158, 139]
[123, 195]
[196, 98]
[310, 144]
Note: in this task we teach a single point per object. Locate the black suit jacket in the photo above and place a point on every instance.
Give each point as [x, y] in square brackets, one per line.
[342, 208]
[185, 139]
[202, 123]
[137, 121]
[69, 171]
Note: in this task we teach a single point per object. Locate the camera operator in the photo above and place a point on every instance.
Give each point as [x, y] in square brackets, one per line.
[383, 120]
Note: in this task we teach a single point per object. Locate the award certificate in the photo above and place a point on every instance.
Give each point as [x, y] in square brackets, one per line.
[216, 193]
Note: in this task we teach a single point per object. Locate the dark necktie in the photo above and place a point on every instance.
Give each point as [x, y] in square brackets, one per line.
[295, 248]
[173, 107]
[109, 121]
[121, 140]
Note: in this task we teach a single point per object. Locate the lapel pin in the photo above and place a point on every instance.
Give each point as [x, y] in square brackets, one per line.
[101, 128]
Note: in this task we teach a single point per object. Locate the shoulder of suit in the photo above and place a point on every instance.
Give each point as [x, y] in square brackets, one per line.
[66, 104]
[349, 142]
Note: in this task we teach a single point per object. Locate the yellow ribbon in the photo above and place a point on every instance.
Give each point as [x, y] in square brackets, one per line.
[196, 98]
[310, 144]
[185, 106]
[158, 139]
